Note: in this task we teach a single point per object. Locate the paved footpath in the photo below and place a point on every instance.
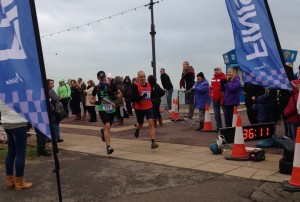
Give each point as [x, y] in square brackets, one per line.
[179, 155]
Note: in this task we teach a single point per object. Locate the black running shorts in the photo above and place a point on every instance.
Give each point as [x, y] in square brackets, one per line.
[140, 115]
[106, 117]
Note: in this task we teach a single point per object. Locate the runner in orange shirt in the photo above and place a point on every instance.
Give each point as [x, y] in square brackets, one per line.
[142, 104]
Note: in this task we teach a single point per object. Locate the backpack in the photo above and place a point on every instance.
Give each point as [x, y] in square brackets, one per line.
[60, 112]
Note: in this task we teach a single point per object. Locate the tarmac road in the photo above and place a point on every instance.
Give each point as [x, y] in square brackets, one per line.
[86, 177]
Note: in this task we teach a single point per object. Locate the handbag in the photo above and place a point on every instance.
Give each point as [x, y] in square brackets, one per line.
[60, 112]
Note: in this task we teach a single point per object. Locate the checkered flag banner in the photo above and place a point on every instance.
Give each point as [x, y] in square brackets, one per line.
[273, 79]
[255, 45]
[21, 79]
[32, 108]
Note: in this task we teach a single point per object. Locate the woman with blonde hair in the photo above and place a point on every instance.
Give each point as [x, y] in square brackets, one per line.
[187, 81]
[231, 88]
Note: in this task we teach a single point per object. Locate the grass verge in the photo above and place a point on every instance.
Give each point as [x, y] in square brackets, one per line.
[30, 152]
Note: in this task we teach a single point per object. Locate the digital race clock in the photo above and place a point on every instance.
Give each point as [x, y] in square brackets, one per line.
[251, 132]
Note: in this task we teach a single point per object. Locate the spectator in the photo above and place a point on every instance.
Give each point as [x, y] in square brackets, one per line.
[290, 113]
[64, 94]
[284, 95]
[231, 88]
[260, 109]
[75, 96]
[217, 96]
[127, 94]
[272, 104]
[82, 88]
[202, 98]
[109, 78]
[89, 106]
[41, 141]
[289, 69]
[167, 85]
[119, 101]
[15, 127]
[157, 93]
[187, 81]
[54, 100]
[134, 80]
[251, 93]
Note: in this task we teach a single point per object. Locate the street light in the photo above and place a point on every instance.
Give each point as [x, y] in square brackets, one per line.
[152, 33]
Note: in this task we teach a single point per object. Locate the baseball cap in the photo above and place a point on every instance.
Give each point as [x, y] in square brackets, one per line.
[101, 74]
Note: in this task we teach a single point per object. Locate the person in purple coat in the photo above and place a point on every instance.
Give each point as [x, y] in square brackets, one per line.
[202, 97]
[231, 88]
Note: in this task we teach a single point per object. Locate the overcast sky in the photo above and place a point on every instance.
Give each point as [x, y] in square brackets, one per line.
[195, 30]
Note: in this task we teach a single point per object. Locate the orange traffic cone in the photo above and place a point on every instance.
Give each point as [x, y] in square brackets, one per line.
[174, 113]
[234, 116]
[294, 184]
[239, 149]
[207, 121]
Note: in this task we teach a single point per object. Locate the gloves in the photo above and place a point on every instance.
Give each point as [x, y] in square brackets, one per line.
[223, 82]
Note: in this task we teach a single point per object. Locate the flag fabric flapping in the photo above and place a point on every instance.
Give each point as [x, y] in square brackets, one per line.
[21, 83]
[255, 45]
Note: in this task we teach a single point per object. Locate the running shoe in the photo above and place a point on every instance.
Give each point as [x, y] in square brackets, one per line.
[137, 133]
[110, 150]
[154, 145]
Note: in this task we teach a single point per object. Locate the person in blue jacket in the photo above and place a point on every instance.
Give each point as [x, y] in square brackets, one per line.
[231, 88]
[202, 97]
[261, 109]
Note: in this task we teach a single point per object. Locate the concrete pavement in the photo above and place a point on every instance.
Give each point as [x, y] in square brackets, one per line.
[178, 155]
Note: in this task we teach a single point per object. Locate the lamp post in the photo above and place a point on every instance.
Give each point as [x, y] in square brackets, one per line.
[152, 33]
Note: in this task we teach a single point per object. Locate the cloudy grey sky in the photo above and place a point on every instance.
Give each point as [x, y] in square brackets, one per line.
[195, 30]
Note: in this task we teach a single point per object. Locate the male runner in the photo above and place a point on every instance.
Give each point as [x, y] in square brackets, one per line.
[106, 94]
[141, 98]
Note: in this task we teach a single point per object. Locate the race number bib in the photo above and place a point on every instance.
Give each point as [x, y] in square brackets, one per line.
[147, 93]
[107, 107]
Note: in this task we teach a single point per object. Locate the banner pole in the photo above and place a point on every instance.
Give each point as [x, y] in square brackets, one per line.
[274, 32]
[46, 91]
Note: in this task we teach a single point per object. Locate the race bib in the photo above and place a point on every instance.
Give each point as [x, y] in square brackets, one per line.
[147, 93]
[107, 107]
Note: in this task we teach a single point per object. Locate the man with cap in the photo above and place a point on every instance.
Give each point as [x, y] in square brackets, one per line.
[141, 95]
[106, 94]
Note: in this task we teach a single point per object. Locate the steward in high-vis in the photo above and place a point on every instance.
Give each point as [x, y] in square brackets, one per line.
[64, 94]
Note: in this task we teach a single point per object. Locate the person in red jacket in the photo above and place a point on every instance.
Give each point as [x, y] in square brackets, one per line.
[290, 113]
[141, 95]
[216, 95]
